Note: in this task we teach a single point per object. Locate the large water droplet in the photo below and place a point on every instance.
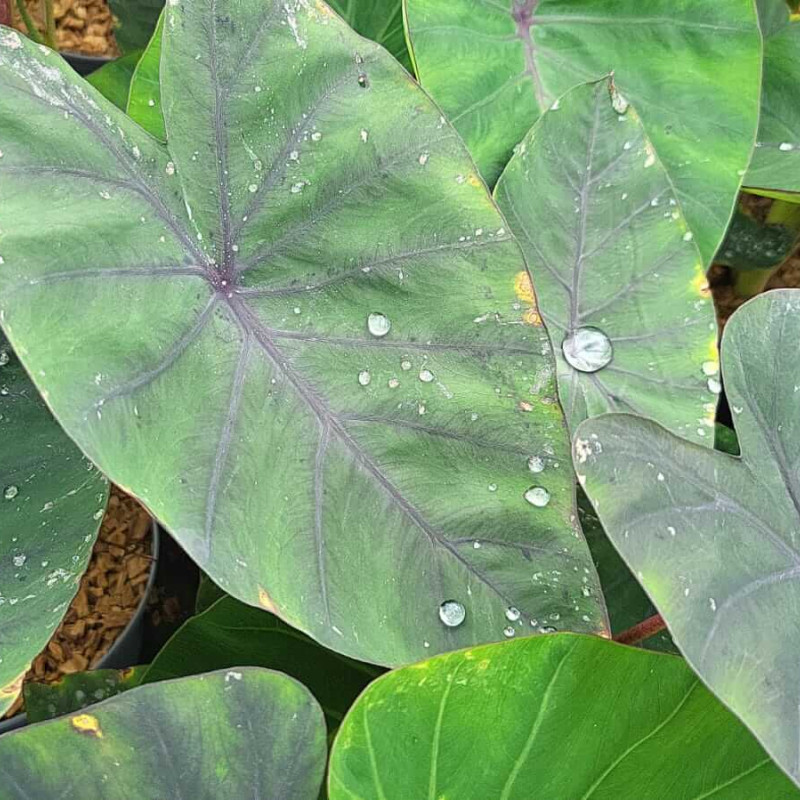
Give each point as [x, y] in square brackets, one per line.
[714, 386]
[512, 614]
[452, 613]
[10, 492]
[536, 464]
[364, 377]
[587, 349]
[378, 324]
[537, 496]
[425, 375]
[509, 632]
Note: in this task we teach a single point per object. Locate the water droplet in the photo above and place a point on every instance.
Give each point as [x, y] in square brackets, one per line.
[537, 496]
[688, 236]
[378, 324]
[405, 365]
[19, 560]
[393, 383]
[785, 146]
[298, 187]
[364, 377]
[586, 591]
[151, 102]
[492, 487]
[316, 136]
[547, 629]
[710, 368]
[364, 135]
[423, 159]
[536, 464]
[509, 632]
[587, 349]
[362, 81]
[425, 375]
[252, 188]
[512, 614]
[714, 386]
[170, 168]
[4, 357]
[10, 492]
[452, 613]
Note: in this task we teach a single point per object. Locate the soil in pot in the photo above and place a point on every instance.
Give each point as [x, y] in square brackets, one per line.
[82, 26]
[109, 594]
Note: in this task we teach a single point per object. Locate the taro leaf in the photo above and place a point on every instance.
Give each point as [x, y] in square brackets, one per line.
[619, 278]
[347, 480]
[775, 167]
[751, 244]
[711, 537]
[379, 20]
[559, 717]
[45, 701]
[113, 80]
[207, 594]
[136, 22]
[230, 634]
[51, 502]
[237, 734]
[144, 100]
[691, 69]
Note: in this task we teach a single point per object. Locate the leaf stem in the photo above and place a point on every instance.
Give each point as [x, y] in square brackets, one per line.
[33, 34]
[643, 630]
[49, 25]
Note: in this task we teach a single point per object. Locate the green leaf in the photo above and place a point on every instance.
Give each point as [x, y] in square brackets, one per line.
[45, 701]
[51, 503]
[620, 281]
[750, 244]
[711, 537]
[557, 717]
[137, 20]
[230, 634]
[144, 100]
[775, 166]
[113, 80]
[207, 594]
[379, 20]
[351, 482]
[235, 734]
[494, 67]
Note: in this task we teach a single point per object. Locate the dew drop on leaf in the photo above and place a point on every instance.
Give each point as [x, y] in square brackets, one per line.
[425, 375]
[10, 492]
[364, 377]
[536, 464]
[587, 349]
[512, 614]
[452, 613]
[378, 324]
[537, 496]
[509, 632]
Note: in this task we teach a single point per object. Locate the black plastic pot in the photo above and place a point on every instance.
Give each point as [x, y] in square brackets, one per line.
[127, 648]
[85, 65]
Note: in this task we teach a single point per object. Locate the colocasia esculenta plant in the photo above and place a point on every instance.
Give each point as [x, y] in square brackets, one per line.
[414, 354]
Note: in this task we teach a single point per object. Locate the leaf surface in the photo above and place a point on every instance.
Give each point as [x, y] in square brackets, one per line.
[559, 717]
[233, 734]
[713, 537]
[51, 503]
[692, 70]
[618, 276]
[348, 477]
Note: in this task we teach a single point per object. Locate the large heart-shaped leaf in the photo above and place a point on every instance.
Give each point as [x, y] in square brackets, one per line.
[51, 503]
[691, 69]
[319, 379]
[619, 279]
[237, 734]
[555, 718]
[712, 537]
[230, 633]
[775, 166]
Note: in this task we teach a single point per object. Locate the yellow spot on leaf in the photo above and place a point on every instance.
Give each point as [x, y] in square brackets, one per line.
[323, 9]
[713, 350]
[531, 317]
[474, 180]
[700, 282]
[11, 690]
[523, 287]
[484, 664]
[265, 601]
[86, 723]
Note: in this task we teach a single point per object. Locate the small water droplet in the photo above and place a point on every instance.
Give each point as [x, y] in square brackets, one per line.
[536, 464]
[252, 188]
[378, 324]
[10, 492]
[688, 236]
[509, 632]
[425, 375]
[547, 629]
[423, 159]
[364, 135]
[512, 614]
[785, 146]
[393, 383]
[714, 386]
[452, 613]
[587, 349]
[364, 377]
[316, 136]
[170, 168]
[19, 560]
[710, 368]
[4, 357]
[405, 365]
[492, 487]
[537, 496]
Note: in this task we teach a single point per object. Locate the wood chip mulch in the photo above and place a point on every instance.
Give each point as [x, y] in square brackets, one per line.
[108, 596]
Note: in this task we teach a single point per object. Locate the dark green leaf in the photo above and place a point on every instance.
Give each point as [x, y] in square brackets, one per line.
[45, 701]
[351, 482]
[51, 503]
[560, 717]
[113, 80]
[144, 101]
[712, 537]
[137, 20]
[620, 281]
[750, 244]
[379, 20]
[691, 69]
[246, 733]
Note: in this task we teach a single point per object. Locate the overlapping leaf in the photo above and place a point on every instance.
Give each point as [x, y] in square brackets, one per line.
[691, 69]
[316, 373]
[619, 278]
[712, 537]
[775, 167]
[555, 718]
[233, 734]
[51, 503]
